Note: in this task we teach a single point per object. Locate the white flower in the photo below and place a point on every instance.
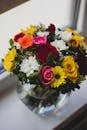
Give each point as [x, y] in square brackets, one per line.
[66, 36]
[57, 32]
[29, 65]
[17, 45]
[40, 33]
[59, 44]
[27, 87]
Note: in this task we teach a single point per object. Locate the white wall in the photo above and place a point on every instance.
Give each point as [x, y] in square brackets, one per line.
[58, 12]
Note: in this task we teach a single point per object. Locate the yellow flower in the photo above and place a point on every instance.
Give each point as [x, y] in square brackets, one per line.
[77, 38]
[59, 77]
[68, 30]
[70, 68]
[8, 61]
[29, 30]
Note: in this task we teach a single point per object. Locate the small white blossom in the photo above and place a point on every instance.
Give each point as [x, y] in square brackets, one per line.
[66, 36]
[27, 87]
[57, 32]
[29, 65]
[59, 44]
[17, 45]
[40, 33]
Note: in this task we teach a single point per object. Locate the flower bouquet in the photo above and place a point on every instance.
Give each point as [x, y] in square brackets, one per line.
[49, 62]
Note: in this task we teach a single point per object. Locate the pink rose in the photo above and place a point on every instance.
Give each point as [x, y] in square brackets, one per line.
[40, 40]
[47, 75]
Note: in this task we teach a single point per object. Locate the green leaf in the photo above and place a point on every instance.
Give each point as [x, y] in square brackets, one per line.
[34, 78]
[51, 60]
[11, 42]
[50, 38]
[39, 90]
[58, 37]
[81, 78]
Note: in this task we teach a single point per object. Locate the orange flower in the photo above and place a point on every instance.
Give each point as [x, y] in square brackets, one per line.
[75, 44]
[26, 41]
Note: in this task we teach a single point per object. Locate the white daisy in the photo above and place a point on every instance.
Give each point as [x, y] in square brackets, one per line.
[29, 65]
[40, 33]
[57, 32]
[59, 44]
[66, 36]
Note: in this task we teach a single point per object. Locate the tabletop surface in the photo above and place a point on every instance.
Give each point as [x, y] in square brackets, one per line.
[14, 115]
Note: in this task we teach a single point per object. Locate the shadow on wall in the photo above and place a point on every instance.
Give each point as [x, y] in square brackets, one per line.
[82, 19]
[5, 5]
[75, 12]
[84, 26]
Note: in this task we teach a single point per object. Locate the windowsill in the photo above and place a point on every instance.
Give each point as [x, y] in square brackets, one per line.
[6, 81]
[22, 118]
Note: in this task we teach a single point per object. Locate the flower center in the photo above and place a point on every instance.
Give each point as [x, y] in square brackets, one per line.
[57, 76]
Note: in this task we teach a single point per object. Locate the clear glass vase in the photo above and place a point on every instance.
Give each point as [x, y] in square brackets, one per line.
[43, 105]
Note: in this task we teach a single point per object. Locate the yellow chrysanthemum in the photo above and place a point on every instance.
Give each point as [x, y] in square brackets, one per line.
[59, 77]
[29, 30]
[8, 61]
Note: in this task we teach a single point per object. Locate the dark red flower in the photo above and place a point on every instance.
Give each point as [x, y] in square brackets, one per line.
[19, 35]
[42, 52]
[82, 62]
[51, 28]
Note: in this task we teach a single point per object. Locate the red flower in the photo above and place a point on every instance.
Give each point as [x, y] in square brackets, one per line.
[82, 62]
[47, 75]
[19, 35]
[42, 52]
[51, 28]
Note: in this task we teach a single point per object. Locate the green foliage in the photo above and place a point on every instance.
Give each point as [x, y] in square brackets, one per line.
[58, 37]
[41, 27]
[52, 60]
[81, 78]
[69, 51]
[50, 38]
[68, 87]
[22, 77]
[11, 42]
[34, 78]
[16, 69]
